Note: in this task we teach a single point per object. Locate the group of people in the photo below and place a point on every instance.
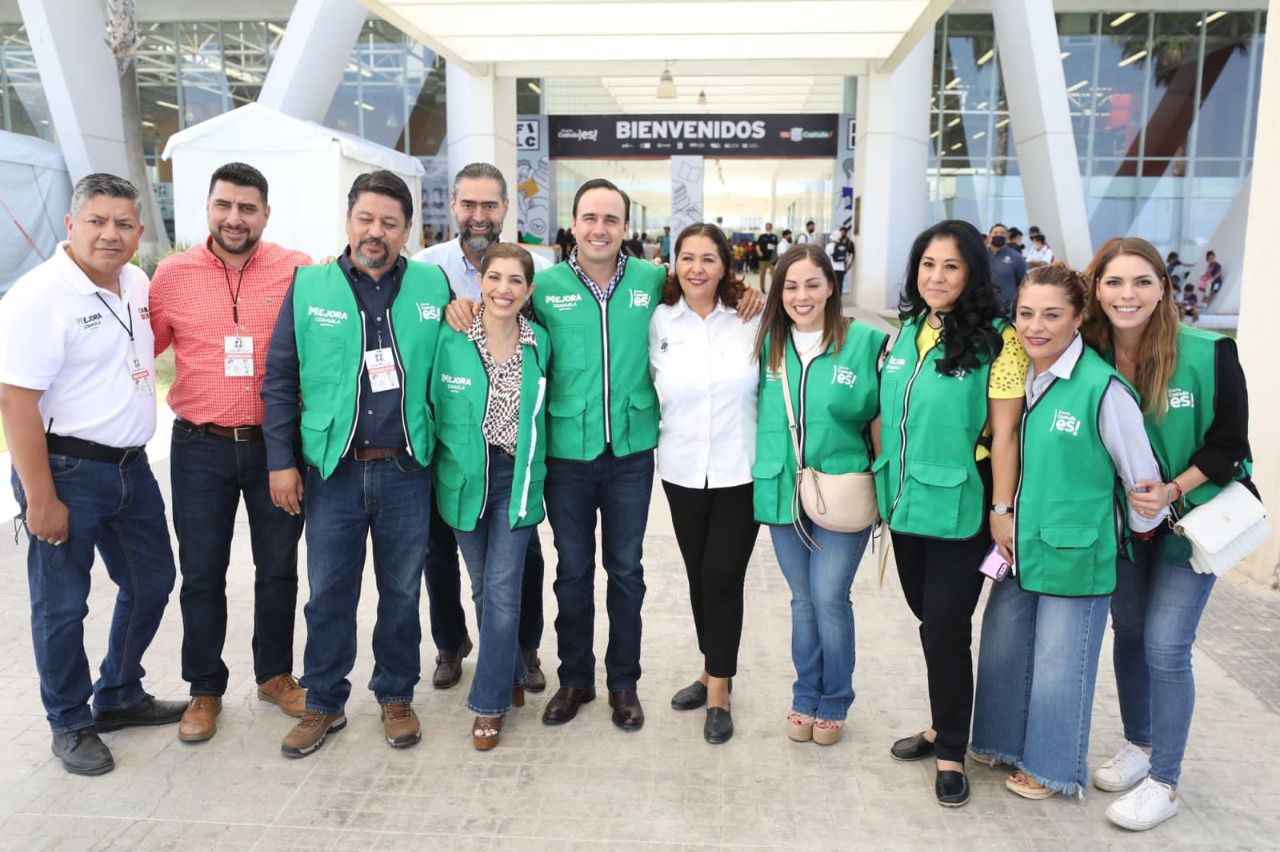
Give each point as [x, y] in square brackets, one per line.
[453, 400]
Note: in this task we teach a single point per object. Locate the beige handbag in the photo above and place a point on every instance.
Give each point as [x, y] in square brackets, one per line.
[840, 502]
[1224, 530]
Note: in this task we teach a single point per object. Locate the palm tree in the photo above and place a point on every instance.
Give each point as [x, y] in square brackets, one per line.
[122, 37]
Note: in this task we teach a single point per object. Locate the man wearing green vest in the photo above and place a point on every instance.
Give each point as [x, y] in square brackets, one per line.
[354, 342]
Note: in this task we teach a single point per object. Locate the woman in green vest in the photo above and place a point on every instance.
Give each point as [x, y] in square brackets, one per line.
[488, 394]
[1042, 629]
[950, 398]
[829, 364]
[1196, 414]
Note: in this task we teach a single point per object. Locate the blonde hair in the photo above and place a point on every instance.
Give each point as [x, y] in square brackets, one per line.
[1157, 352]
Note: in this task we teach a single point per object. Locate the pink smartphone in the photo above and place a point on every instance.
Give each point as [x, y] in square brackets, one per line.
[994, 565]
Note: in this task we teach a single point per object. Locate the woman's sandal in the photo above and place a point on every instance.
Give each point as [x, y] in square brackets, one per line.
[1027, 787]
[517, 695]
[799, 727]
[827, 731]
[485, 731]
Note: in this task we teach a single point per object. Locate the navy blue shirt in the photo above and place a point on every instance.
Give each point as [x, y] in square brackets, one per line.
[1008, 268]
[379, 417]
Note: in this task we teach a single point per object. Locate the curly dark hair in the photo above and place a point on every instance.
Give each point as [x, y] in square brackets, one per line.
[730, 287]
[969, 338]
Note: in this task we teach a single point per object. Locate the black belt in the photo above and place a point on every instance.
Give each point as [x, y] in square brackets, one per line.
[82, 449]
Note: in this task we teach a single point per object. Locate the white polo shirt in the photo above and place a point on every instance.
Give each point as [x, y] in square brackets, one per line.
[707, 375]
[58, 335]
[464, 279]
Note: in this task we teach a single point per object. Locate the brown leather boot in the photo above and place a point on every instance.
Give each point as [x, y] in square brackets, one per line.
[401, 725]
[199, 722]
[310, 733]
[284, 692]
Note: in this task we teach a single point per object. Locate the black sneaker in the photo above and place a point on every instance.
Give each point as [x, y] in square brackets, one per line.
[82, 752]
[148, 711]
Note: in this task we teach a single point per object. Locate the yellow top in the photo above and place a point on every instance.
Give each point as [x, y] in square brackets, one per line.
[1008, 376]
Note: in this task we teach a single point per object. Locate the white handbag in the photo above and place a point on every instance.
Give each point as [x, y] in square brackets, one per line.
[1225, 530]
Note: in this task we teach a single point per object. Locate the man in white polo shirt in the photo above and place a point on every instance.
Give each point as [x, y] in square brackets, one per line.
[77, 398]
[479, 204]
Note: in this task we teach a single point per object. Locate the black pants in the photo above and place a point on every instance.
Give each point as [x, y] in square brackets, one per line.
[444, 589]
[942, 584]
[716, 531]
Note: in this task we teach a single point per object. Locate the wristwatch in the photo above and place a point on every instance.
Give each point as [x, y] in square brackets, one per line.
[1002, 508]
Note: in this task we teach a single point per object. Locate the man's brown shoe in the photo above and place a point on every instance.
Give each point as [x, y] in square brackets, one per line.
[310, 732]
[564, 705]
[199, 722]
[401, 725]
[284, 692]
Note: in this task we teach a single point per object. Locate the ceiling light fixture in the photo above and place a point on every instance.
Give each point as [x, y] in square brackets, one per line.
[1209, 19]
[666, 85]
[1120, 20]
[1129, 60]
[534, 87]
[986, 57]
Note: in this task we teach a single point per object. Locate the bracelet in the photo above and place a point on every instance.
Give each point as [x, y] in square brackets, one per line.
[1177, 488]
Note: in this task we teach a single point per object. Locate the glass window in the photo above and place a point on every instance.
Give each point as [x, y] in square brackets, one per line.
[1171, 92]
[1224, 83]
[1124, 62]
[528, 96]
[21, 98]
[1251, 128]
[204, 82]
[1078, 46]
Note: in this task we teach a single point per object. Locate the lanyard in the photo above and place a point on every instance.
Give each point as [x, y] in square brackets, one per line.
[127, 311]
[235, 296]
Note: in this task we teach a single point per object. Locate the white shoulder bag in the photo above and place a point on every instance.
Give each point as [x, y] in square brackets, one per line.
[1225, 530]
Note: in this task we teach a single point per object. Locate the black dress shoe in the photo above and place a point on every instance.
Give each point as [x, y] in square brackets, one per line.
[82, 752]
[718, 727]
[691, 697]
[914, 747]
[627, 712]
[148, 711]
[564, 705]
[951, 788]
[537, 681]
[449, 665]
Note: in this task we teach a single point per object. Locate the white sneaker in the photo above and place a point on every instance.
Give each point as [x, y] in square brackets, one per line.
[1148, 805]
[1124, 770]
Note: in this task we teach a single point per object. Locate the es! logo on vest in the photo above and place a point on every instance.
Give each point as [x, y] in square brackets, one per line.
[843, 376]
[428, 311]
[563, 303]
[1179, 398]
[1065, 421]
[326, 316]
[639, 299]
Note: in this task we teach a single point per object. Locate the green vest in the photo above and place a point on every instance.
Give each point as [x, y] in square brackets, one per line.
[459, 397]
[1180, 433]
[927, 480]
[599, 390]
[329, 330]
[1065, 535]
[835, 399]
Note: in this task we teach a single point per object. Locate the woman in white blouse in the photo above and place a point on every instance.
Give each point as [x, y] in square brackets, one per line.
[701, 357]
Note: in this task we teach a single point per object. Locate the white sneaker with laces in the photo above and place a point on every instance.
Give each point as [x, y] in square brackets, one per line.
[1146, 806]
[1124, 770]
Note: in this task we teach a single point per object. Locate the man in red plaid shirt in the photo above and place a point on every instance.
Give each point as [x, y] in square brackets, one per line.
[216, 304]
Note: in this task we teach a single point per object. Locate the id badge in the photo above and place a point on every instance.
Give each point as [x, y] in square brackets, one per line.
[381, 364]
[237, 356]
[141, 375]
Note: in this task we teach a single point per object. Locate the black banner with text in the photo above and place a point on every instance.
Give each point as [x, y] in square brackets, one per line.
[620, 136]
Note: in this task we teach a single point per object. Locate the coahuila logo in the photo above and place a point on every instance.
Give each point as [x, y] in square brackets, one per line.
[456, 384]
[563, 303]
[90, 322]
[639, 299]
[1179, 398]
[893, 365]
[326, 316]
[1065, 421]
[843, 376]
[428, 311]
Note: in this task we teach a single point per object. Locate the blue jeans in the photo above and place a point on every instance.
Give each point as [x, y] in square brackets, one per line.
[209, 473]
[1155, 611]
[1037, 667]
[444, 590]
[619, 489]
[495, 556]
[822, 647]
[388, 500]
[119, 510]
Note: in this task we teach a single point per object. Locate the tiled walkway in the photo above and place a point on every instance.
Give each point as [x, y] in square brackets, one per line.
[586, 785]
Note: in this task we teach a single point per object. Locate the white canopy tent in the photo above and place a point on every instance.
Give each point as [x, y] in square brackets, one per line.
[308, 167]
[35, 194]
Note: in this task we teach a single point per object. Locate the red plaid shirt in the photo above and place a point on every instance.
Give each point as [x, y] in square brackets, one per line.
[191, 308]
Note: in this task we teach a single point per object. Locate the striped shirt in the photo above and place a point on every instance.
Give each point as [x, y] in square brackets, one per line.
[195, 301]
